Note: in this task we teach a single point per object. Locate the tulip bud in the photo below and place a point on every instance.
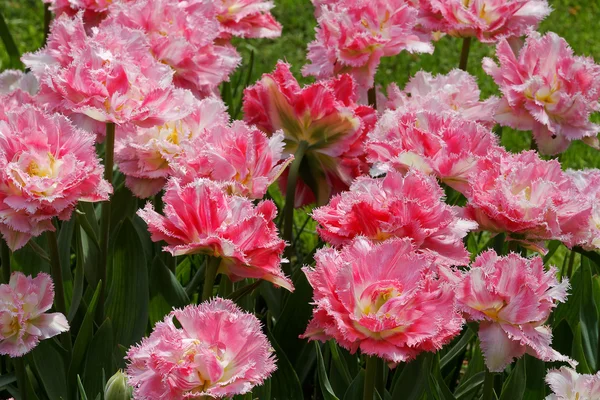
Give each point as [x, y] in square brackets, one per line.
[117, 387]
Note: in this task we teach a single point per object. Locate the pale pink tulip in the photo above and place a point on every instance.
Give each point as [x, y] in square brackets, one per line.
[325, 115]
[383, 299]
[23, 318]
[46, 167]
[547, 90]
[201, 218]
[183, 38]
[12, 80]
[487, 20]
[352, 37]
[511, 297]
[110, 76]
[567, 384]
[587, 183]
[242, 157]
[219, 351]
[146, 155]
[409, 206]
[450, 147]
[529, 199]
[455, 93]
[242, 18]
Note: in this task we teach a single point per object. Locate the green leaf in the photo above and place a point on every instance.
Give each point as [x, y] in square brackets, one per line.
[51, 369]
[78, 282]
[588, 316]
[326, 389]
[466, 389]
[9, 44]
[82, 394]
[413, 378]
[84, 336]
[536, 372]
[458, 348]
[305, 361]
[514, 387]
[284, 382]
[7, 379]
[86, 216]
[356, 388]
[127, 300]
[552, 247]
[99, 360]
[165, 282]
[339, 362]
[578, 352]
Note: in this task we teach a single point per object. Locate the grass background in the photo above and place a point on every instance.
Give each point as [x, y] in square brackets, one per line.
[575, 20]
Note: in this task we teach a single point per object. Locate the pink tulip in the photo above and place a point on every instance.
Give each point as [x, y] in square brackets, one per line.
[587, 183]
[455, 93]
[383, 299]
[511, 297]
[488, 20]
[12, 80]
[93, 11]
[567, 384]
[110, 76]
[408, 206]
[219, 351]
[547, 90]
[447, 146]
[46, 167]
[201, 218]
[325, 115]
[183, 38]
[242, 18]
[242, 157]
[23, 318]
[352, 36]
[146, 155]
[530, 199]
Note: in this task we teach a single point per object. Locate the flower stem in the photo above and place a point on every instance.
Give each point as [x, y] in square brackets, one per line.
[209, 278]
[59, 291]
[488, 386]
[370, 377]
[464, 53]
[105, 218]
[21, 375]
[290, 193]
[372, 97]
[570, 265]
[5, 254]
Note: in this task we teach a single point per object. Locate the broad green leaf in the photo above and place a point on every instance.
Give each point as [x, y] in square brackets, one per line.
[339, 362]
[84, 336]
[51, 369]
[7, 379]
[535, 387]
[127, 300]
[163, 281]
[413, 379]
[284, 382]
[356, 388]
[578, 352]
[514, 387]
[305, 362]
[468, 388]
[78, 282]
[458, 348]
[326, 389]
[99, 361]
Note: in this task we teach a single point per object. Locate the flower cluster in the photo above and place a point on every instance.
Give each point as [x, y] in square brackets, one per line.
[383, 299]
[46, 166]
[408, 206]
[218, 352]
[352, 36]
[23, 318]
[323, 116]
[511, 297]
[201, 218]
[547, 90]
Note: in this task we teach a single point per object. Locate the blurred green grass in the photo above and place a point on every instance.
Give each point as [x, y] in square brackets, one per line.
[575, 20]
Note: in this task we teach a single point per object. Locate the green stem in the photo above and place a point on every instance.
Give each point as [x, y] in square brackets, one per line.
[290, 193]
[227, 286]
[21, 375]
[190, 289]
[105, 218]
[59, 291]
[209, 278]
[372, 97]
[488, 386]
[464, 53]
[5, 254]
[380, 377]
[370, 377]
[570, 266]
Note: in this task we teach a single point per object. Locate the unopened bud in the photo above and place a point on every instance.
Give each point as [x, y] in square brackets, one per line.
[117, 387]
